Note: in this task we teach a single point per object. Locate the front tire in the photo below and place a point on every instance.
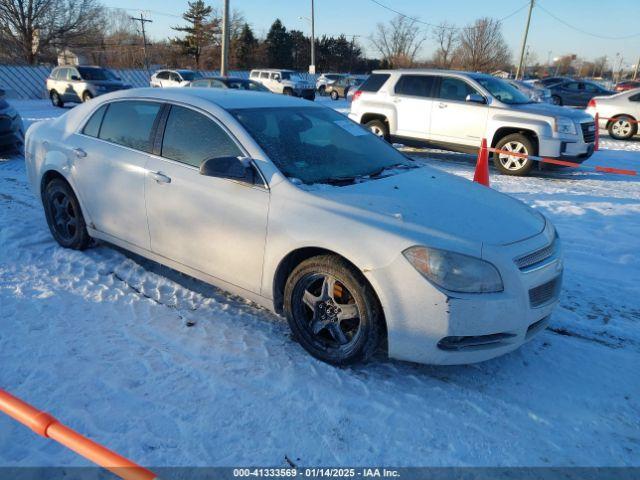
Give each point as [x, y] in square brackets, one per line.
[86, 96]
[378, 128]
[288, 92]
[512, 165]
[556, 100]
[622, 128]
[56, 99]
[322, 90]
[64, 216]
[332, 311]
[334, 95]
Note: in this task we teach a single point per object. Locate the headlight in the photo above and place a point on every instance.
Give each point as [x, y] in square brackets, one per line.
[454, 271]
[565, 125]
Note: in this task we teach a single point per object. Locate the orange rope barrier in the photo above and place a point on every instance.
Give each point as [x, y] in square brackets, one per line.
[47, 426]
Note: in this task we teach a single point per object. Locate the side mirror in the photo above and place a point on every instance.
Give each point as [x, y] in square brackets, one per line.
[75, 77]
[475, 98]
[231, 168]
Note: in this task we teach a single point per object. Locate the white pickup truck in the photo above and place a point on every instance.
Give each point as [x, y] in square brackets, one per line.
[456, 110]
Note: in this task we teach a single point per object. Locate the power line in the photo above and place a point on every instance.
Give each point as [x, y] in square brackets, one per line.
[585, 32]
[417, 20]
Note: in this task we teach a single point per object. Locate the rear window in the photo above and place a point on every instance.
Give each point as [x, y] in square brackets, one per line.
[374, 82]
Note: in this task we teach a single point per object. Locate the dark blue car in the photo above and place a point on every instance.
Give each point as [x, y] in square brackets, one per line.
[576, 93]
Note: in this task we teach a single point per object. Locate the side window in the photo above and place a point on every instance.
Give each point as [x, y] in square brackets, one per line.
[454, 89]
[635, 98]
[164, 75]
[62, 74]
[255, 74]
[92, 127]
[54, 74]
[130, 123]
[416, 85]
[589, 87]
[572, 86]
[74, 74]
[264, 74]
[200, 83]
[374, 82]
[174, 77]
[275, 76]
[217, 84]
[191, 138]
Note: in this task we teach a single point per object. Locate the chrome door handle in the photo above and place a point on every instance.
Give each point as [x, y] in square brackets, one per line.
[442, 105]
[80, 153]
[160, 177]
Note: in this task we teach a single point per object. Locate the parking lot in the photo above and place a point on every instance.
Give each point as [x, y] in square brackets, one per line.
[188, 375]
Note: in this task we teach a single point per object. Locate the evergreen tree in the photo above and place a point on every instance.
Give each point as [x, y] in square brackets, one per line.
[200, 32]
[245, 47]
[279, 46]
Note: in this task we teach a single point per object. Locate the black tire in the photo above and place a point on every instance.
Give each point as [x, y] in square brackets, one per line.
[379, 128]
[86, 96]
[64, 216]
[324, 296]
[556, 100]
[622, 127]
[322, 90]
[288, 91]
[335, 95]
[56, 99]
[514, 165]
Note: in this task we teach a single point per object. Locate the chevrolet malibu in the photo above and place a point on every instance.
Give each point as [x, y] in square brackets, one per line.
[302, 211]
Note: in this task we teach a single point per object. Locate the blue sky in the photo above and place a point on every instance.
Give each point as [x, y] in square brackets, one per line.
[359, 17]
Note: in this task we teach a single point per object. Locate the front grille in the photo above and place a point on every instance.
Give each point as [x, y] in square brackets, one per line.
[533, 258]
[588, 131]
[477, 342]
[545, 293]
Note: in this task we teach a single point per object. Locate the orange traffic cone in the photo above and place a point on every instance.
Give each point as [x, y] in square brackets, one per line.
[481, 174]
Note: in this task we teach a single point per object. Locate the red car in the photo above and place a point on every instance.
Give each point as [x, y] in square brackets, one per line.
[628, 85]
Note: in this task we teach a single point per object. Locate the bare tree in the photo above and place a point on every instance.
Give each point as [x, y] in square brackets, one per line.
[32, 26]
[399, 41]
[482, 46]
[446, 36]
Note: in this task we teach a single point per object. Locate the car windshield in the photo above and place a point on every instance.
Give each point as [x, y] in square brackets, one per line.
[189, 76]
[318, 145]
[502, 91]
[95, 74]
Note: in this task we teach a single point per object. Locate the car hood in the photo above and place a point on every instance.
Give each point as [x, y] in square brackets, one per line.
[552, 110]
[434, 203]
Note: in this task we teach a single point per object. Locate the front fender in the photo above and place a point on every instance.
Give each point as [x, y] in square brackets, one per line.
[540, 127]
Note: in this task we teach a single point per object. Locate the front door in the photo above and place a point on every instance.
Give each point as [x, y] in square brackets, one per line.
[413, 100]
[213, 225]
[112, 151]
[454, 119]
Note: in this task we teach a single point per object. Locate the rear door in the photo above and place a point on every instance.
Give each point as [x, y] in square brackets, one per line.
[213, 225]
[455, 120]
[112, 151]
[413, 100]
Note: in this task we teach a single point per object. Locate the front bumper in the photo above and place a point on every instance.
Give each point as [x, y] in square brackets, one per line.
[306, 93]
[575, 148]
[428, 325]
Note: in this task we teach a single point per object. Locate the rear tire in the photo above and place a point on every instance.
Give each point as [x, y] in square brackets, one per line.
[334, 95]
[86, 96]
[322, 90]
[64, 216]
[56, 99]
[333, 311]
[378, 128]
[512, 165]
[556, 100]
[288, 92]
[622, 127]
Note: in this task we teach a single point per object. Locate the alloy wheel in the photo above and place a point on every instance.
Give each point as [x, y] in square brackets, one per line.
[330, 315]
[512, 162]
[621, 127]
[65, 218]
[376, 130]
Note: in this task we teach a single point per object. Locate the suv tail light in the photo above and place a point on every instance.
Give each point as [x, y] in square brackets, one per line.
[591, 104]
[356, 95]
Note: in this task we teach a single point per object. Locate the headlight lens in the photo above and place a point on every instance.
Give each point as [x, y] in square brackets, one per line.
[454, 271]
[565, 125]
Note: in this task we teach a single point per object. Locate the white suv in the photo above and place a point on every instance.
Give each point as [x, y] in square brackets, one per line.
[173, 78]
[287, 82]
[455, 110]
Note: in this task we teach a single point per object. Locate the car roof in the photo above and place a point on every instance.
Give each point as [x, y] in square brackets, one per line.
[272, 70]
[226, 99]
[226, 79]
[433, 71]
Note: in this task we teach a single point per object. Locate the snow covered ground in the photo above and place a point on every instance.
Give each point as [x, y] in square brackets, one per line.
[101, 339]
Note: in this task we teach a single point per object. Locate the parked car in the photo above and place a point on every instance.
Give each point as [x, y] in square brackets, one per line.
[340, 88]
[287, 82]
[81, 83]
[456, 110]
[618, 113]
[534, 92]
[548, 81]
[300, 210]
[627, 85]
[352, 90]
[11, 128]
[576, 93]
[229, 82]
[173, 78]
[327, 79]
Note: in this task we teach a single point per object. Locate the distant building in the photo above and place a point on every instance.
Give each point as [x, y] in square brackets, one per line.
[501, 74]
[68, 57]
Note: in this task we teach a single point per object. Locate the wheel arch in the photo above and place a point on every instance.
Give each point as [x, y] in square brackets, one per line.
[502, 132]
[617, 115]
[367, 117]
[290, 261]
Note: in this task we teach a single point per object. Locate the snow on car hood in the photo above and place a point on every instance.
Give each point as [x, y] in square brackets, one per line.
[432, 201]
[552, 111]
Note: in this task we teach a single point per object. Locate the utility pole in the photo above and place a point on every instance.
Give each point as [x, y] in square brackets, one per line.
[224, 63]
[524, 40]
[142, 21]
[312, 67]
[635, 71]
